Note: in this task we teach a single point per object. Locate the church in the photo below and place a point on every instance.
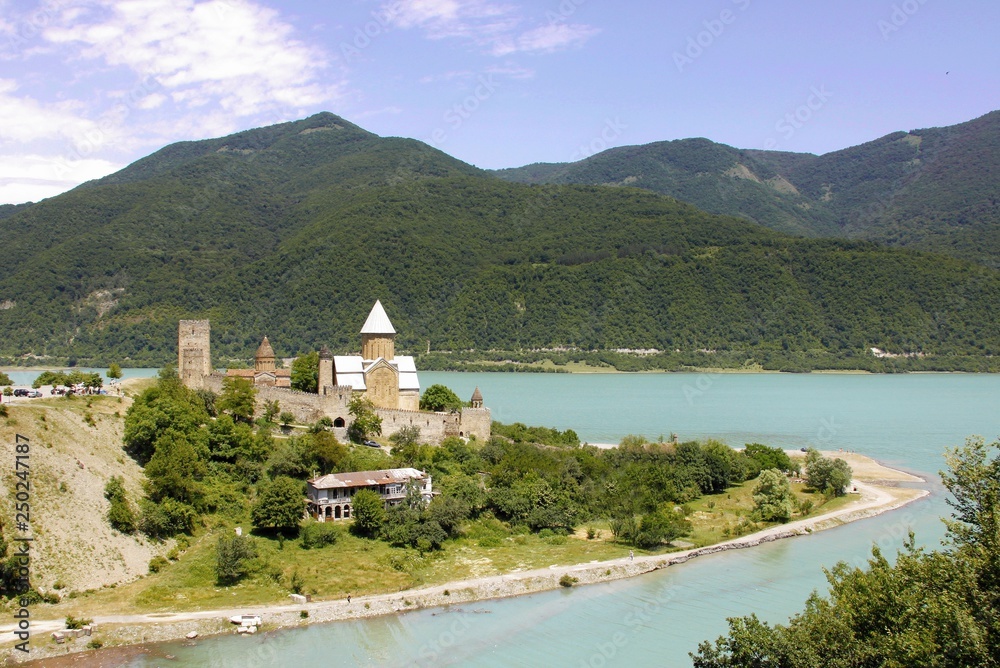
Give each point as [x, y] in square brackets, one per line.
[377, 373]
[390, 381]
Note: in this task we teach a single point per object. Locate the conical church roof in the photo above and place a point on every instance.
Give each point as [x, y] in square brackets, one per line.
[265, 349]
[378, 321]
[477, 397]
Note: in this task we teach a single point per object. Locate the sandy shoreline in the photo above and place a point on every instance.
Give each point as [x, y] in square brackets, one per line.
[878, 492]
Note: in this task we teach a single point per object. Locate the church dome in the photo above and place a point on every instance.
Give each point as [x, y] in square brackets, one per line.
[265, 349]
[378, 321]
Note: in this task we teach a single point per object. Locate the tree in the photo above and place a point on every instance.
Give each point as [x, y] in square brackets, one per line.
[973, 478]
[440, 398]
[114, 371]
[168, 405]
[121, 515]
[175, 470]
[660, 526]
[406, 448]
[926, 609]
[830, 476]
[238, 398]
[366, 422]
[449, 513]
[271, 410]
[368, 511]
[233, 557]
[305, 373]
[325, 453]
[5, 379]
[280, 506]
[769, 458]
[772, 497]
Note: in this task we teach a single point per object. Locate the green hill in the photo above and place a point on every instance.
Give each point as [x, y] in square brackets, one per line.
[933, 189]
[294, 230]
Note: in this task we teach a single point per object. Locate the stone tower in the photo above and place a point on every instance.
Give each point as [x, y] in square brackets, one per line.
[264, 360]
[476, 419]
[378, 336]
[325, 371]
[194, 354]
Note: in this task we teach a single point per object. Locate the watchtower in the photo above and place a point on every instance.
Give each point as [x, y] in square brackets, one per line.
[194, 353]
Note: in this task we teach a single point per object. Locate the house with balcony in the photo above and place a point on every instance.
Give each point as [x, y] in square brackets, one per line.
[329, 497]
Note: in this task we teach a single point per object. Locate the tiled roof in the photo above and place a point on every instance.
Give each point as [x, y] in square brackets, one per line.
[366, 478]
[265, 349]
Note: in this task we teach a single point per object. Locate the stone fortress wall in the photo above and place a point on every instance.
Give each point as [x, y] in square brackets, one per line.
[194, 368]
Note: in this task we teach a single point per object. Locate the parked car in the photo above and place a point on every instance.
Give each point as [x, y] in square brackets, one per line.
[371, 444]
[33, 394]
[20, 392]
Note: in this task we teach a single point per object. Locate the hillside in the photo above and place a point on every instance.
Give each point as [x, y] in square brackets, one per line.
[70, 462]
[294, 230]
[934, 189]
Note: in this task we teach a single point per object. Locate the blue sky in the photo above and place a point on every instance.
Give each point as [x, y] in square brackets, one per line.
[88, 86]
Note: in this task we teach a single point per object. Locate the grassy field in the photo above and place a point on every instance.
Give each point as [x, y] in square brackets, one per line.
[361, 566]
[719, 517]
[353, 565]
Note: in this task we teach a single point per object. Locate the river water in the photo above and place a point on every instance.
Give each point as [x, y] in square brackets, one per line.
[904, 420]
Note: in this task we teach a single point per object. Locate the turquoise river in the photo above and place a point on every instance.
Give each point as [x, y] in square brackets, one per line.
[905, 421]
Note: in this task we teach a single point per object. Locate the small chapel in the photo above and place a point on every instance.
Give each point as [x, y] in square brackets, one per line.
[264, 371]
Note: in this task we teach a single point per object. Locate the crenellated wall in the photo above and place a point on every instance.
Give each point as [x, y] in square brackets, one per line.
[333, 402]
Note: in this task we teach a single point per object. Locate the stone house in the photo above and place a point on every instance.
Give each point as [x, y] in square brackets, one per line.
[329, 497]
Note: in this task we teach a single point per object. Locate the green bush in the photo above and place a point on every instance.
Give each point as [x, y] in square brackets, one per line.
[75, 623]
[319, 534]
[157, 564]
[567, 580]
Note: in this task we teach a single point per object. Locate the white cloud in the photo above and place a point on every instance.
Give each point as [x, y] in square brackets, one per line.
[546, 39]
[512, 71]
[24, 119]
[495, 28]
[231, 53]
[29, 178]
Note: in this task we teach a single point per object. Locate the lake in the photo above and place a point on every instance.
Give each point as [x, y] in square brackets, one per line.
[904, 420]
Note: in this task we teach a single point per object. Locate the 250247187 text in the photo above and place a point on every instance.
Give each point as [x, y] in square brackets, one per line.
[20, 560]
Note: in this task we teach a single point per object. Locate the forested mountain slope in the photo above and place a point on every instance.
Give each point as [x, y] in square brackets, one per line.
[293, 231]
[935, 189]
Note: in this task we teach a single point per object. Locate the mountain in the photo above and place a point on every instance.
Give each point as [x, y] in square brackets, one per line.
[294, 230]
[935, 189]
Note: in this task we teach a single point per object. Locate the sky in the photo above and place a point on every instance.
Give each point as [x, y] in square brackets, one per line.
[89, 86]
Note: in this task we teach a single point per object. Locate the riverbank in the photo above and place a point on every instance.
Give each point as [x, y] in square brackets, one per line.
[878, 491]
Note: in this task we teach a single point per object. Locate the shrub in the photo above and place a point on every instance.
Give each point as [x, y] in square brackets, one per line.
[567, 580]
[233, 556]
[74, 623]
[156, 564]
[319, 534]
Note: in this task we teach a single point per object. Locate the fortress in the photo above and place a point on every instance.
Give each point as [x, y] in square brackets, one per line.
[390, 382]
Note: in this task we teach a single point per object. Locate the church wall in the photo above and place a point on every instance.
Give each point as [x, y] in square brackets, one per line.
[383, 386]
